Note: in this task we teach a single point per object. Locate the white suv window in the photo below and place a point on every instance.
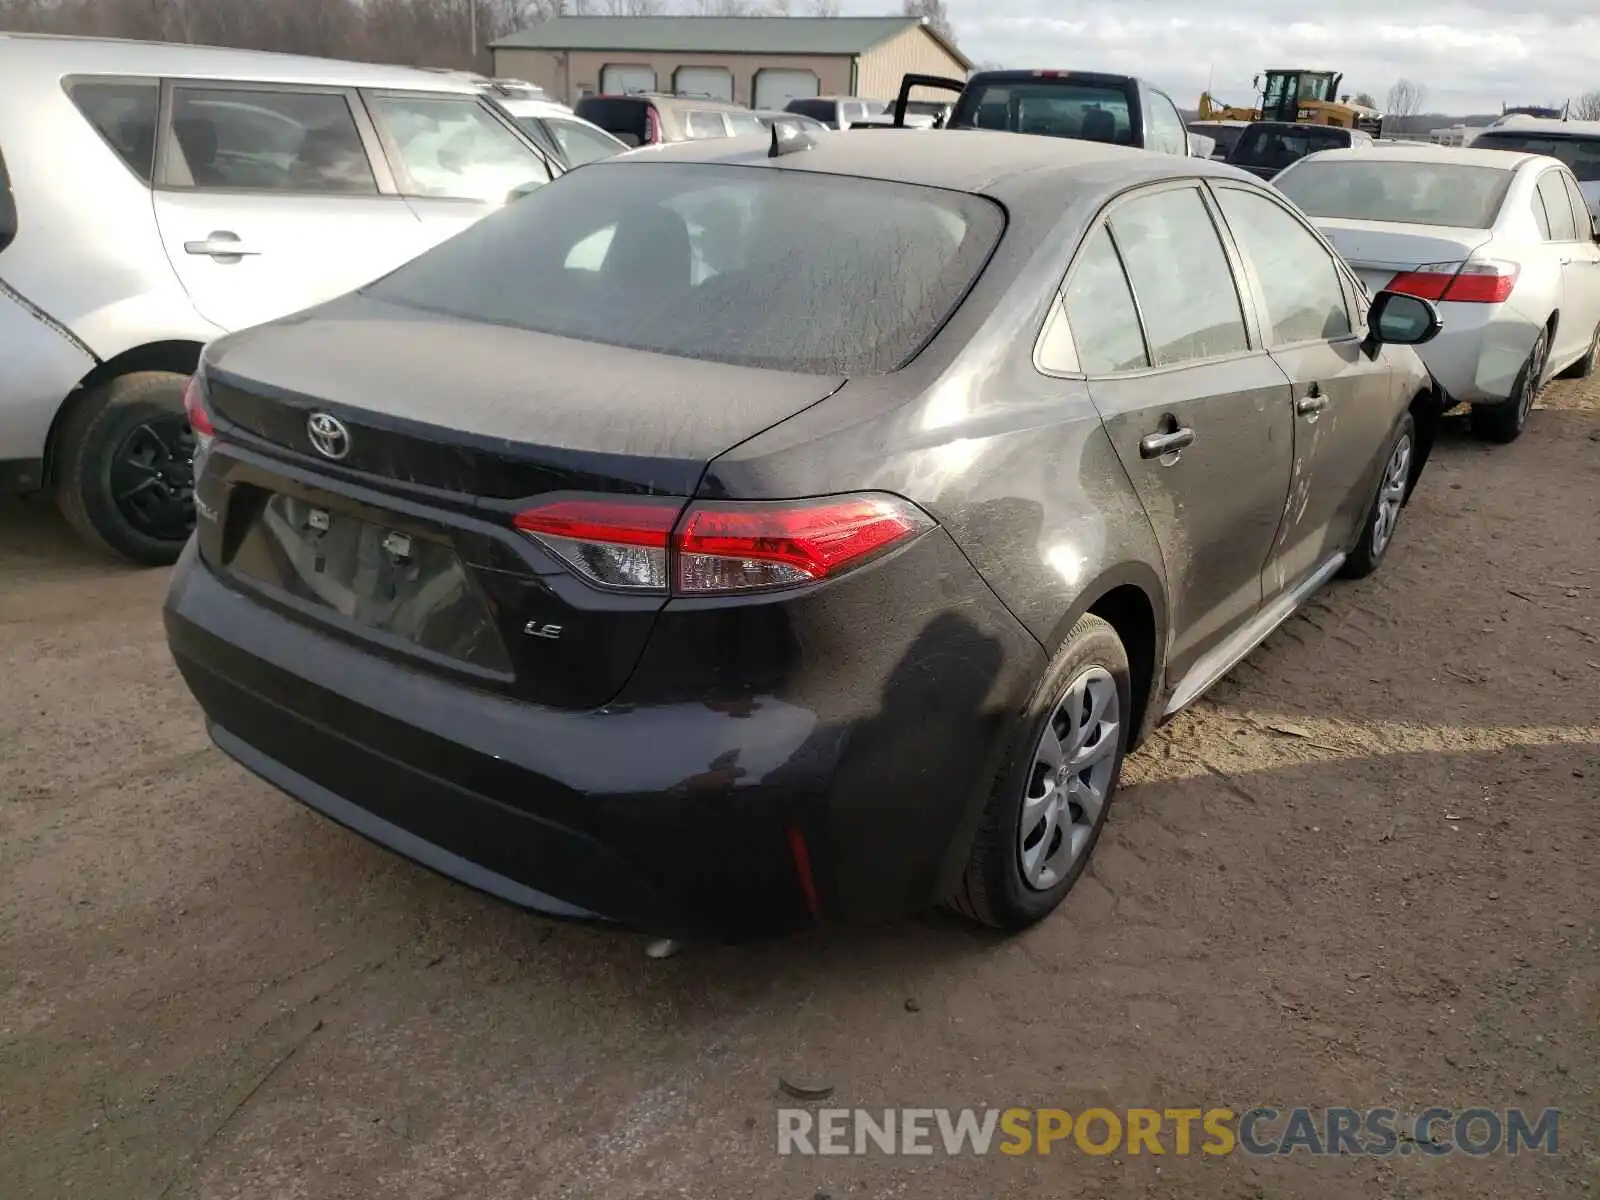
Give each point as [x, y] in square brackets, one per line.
[224, 138]
[703, 124]
[455, 148]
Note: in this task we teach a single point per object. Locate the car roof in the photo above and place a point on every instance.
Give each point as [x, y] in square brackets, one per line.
[59, 54]
[534, 106]
[1022, 171]
[1466, 156]
[1020, 76]
[1522, 123]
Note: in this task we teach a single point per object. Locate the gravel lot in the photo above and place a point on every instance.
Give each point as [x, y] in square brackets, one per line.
[1365, 871]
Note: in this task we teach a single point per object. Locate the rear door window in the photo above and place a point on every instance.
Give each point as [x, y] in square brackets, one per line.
[581, 144]
[1557, 207]
[454, 148]
[1167, 133]
[1181, 278]
[1580, 208]
[1299, 280]
[760, 268]
[225, 139]
[1100, 312]
[124, 114]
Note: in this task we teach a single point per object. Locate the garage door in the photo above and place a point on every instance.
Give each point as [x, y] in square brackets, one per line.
[716, 82]
[775, 88]
[618, 79]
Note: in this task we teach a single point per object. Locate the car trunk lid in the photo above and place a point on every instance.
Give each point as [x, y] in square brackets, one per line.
[1379, 250]
[398, 532]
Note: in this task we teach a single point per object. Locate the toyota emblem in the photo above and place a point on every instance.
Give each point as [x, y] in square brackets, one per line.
[328, 435]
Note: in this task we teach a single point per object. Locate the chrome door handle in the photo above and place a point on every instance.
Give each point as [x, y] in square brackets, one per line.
[1311, 403]
[1155, 445]
[219, 243]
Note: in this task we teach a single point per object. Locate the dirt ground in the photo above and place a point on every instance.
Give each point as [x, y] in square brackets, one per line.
[1364, 871]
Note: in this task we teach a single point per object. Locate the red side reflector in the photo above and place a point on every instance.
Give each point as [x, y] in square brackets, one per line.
[802, 869]
[194, 407]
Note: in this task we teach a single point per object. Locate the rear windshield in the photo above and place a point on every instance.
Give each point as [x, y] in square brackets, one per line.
[1273, 147]
[743, 265]
[624, 118]
[821, 110]
[1225, 136]
[1054, 108]
[1406, 193]
[1582, 154]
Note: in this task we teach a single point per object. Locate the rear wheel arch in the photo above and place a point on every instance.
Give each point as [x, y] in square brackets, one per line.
[177, 356]
[1131, 598]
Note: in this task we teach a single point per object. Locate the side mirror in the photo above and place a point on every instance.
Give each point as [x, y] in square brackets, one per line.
[1396, 319]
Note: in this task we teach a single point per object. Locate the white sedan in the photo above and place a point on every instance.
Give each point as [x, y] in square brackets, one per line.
[1502, 243]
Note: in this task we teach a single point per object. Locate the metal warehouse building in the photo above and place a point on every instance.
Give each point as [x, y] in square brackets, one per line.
[763, 62]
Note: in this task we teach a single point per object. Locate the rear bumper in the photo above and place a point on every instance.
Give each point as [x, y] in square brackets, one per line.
[1477, 355]
[658, 811]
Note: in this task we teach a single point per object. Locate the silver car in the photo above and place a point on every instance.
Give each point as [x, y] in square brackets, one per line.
[154, 197]
[1502, 243]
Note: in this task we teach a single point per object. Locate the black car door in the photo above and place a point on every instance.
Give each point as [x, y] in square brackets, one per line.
[1198, 414]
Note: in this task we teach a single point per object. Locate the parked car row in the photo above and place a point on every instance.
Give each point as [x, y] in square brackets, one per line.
[667, 544]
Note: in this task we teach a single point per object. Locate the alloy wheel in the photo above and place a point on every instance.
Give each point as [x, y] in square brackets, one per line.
[152, 478]
[1071, 778]
[1392, 495]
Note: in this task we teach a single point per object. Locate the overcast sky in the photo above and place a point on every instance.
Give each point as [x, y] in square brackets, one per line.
[1471, 54]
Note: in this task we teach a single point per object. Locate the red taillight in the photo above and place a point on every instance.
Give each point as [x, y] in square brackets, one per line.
[618, 544]
[194, 406]
[731, 547]
[1474, 282]
[652, 133]
[720, 547]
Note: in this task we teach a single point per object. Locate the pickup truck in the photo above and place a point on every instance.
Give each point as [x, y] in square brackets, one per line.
[1087, 105]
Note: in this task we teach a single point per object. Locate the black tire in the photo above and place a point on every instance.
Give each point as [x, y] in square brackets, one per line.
[1368, 554]
[992, 889]
[1504, 422]
[129, 430]
[1588, 364]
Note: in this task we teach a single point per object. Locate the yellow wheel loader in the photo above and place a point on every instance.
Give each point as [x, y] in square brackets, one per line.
[1298, 95]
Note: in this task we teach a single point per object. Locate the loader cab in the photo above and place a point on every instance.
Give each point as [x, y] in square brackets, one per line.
[1286, 92]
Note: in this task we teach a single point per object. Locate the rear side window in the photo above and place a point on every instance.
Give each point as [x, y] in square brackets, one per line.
[757, 267]
[226, 139]
[703, 124]
[455, 148]
[1557, 207]
[1539, 217]
[1105, 325]
[1580, 208]
[124, 114]
[1180, 276]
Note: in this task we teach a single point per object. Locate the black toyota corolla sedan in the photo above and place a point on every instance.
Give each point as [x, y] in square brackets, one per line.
[681, 548]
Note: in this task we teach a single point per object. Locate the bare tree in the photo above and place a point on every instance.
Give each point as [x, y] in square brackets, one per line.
[823, 8]
[1366, 100]
[630, 8]
[720, 8]
[1406, 99]
[1587, 106]
[935, 12]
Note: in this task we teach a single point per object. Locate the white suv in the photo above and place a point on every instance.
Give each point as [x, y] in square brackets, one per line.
[153, 197]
